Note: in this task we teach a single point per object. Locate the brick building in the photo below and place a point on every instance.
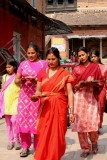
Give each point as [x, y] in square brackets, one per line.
[38, 4]
[22, 23]
[88, 20]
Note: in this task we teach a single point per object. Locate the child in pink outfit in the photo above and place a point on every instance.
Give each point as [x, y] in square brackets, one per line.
[8, 103]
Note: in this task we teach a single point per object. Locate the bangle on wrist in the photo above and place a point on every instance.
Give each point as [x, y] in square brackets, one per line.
[70, 109]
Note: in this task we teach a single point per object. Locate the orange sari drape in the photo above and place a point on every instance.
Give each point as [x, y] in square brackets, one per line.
[52, 120]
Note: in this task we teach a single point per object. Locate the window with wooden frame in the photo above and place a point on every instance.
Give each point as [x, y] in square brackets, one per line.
[60, 5]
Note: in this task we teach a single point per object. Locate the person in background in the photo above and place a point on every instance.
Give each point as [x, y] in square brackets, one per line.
[9, 102]
[28, 110]
[95, 57]
[87, 87]
[52, 118]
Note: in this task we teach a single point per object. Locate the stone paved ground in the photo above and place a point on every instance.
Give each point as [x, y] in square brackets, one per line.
[72, 152]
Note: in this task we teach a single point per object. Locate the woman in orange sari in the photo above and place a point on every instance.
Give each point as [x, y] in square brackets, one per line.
[52, 121]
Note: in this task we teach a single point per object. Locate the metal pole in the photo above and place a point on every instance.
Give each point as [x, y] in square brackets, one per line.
[101, 50]
[84, 42]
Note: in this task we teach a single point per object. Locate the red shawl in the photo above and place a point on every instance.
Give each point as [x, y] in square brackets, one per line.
[91, 70]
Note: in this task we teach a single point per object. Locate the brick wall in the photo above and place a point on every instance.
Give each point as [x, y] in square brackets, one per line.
[91, 3]
[89, 30]
[40, 5]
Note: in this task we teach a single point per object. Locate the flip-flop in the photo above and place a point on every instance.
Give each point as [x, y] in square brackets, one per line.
[24, 153]
[84, 154]
[95, 148]
[10, 146]
[17, 146]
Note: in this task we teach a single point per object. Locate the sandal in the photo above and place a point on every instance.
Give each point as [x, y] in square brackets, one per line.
[95, 148]
[17, 146]
[10, 146]
[84, 154]
[24, 153]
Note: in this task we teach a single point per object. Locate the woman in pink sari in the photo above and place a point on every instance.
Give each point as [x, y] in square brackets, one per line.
[95, 57]
[28, 110]
[52, 120]
[87, 85]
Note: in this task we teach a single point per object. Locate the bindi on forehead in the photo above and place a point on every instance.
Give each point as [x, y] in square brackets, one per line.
[51, 55]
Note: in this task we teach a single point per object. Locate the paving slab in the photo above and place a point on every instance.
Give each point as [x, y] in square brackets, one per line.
[73, 150]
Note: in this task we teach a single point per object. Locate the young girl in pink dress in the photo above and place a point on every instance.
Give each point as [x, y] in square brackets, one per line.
[28, 110]
[8, 103]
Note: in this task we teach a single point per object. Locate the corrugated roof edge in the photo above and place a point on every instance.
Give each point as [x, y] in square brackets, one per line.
[52, 26]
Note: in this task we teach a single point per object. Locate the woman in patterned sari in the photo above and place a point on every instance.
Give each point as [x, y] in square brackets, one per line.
[95, 57]
[52, 120]
[87, 85]
[27, 109]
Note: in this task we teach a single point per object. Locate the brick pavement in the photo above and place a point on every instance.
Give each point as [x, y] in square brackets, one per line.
[73, 150]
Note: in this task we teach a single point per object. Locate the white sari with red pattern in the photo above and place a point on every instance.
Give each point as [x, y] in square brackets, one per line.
[86, 99]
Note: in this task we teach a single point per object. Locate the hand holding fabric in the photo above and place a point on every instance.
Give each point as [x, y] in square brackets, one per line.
[33, 80]
[36, 96]
[23, 80]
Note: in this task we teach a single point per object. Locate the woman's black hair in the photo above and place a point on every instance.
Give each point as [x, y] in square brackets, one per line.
[96, 53]
[34, 46]
[55, 52]
[84, 49]
[13, 63]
